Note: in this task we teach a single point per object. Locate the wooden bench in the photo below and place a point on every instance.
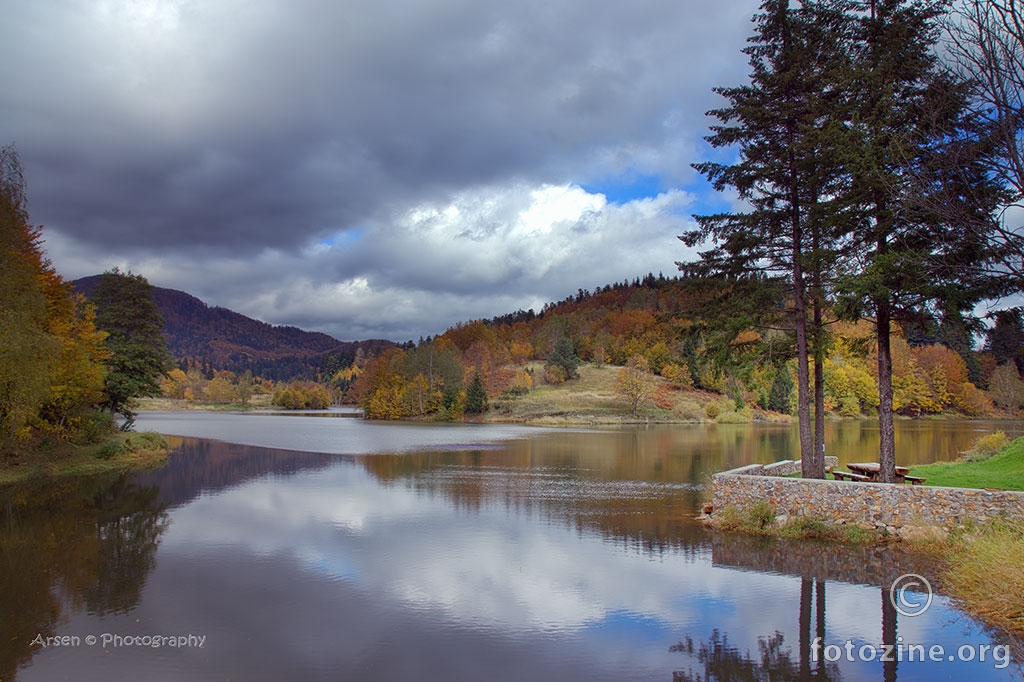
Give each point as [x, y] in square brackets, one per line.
[847, 476]
[914, 480]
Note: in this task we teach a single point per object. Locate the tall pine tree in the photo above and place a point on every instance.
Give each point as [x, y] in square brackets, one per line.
[782, 128]
[914, 148]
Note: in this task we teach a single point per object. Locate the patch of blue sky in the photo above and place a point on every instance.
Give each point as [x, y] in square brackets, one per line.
[635, 627]
[343, 240]
[627, 187]
[336, 568]
[706, 200]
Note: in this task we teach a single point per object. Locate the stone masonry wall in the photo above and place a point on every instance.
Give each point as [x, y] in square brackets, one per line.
[888, 504]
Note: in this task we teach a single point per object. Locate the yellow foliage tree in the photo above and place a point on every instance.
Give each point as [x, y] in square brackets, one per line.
[174, 384]
[51, 354]
[635, 382]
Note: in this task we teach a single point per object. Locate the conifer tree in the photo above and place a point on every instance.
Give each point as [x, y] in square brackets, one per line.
[915, 146]
[127, 311]
[782, 128]
[476, 395]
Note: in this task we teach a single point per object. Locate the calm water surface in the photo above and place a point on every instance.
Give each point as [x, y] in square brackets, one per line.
[330, 548]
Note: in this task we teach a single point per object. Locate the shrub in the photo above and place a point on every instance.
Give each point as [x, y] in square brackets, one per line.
[762, 514]
[677, 375]
[754, 520]
[717, 407]
[554, 374]
[732, 418]
[986, 446]
[808, 527]
[110, 449]
[688, 410]
[146, 441]
[95, 426]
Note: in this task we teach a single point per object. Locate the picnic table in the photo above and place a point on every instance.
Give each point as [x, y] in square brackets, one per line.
[869, 471]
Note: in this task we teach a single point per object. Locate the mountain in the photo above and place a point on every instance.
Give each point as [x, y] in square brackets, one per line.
[223, 339]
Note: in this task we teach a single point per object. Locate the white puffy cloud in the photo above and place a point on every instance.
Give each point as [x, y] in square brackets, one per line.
[486, 252]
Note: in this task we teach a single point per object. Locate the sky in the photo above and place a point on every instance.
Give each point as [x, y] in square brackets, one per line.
[369, 169]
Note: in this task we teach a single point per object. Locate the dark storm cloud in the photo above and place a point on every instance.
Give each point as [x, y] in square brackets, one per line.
[156, 131]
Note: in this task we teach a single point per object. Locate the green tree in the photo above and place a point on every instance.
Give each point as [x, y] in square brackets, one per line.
[781, 392]
[783, 126]
[127, 311]
[1005, 339]
[476, 395]
[562, 355]
[914, 151]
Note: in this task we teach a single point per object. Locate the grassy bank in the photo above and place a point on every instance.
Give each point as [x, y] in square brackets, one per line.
[1004, 470]
[121, 451]
[593, 399]
[984, 571]
[257, 402]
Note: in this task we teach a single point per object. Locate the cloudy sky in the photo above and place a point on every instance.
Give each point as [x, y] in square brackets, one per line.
[379, 168]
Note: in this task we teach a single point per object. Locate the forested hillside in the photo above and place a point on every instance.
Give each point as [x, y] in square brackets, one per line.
[656, 323]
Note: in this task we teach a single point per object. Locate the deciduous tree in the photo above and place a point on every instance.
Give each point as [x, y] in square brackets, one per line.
[635, 382]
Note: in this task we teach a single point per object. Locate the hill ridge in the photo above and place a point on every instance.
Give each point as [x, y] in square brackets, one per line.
[199, 333]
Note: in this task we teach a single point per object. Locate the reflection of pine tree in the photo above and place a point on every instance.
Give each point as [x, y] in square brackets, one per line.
[128, 529]
[723, 662]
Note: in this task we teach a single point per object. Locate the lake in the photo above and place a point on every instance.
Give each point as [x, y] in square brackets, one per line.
[321, 547]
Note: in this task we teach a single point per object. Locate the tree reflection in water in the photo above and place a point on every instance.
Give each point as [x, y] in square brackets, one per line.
[725, 663]
[68, 544]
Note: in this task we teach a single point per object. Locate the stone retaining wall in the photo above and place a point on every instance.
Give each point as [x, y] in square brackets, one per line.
[876, 504]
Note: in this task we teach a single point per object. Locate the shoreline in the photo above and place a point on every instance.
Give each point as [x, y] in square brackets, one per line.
[126, 451]
[575, 418]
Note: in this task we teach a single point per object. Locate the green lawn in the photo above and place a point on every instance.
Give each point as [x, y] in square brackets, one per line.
[1004, 469]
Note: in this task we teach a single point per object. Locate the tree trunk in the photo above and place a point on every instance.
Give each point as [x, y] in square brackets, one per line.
[803, 398]
[818, 459]
[819, 418]
[887, 439]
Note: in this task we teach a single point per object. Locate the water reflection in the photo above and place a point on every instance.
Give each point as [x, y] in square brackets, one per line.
[672, 453]
[72, 544]
[723, 662]
[564, 556]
